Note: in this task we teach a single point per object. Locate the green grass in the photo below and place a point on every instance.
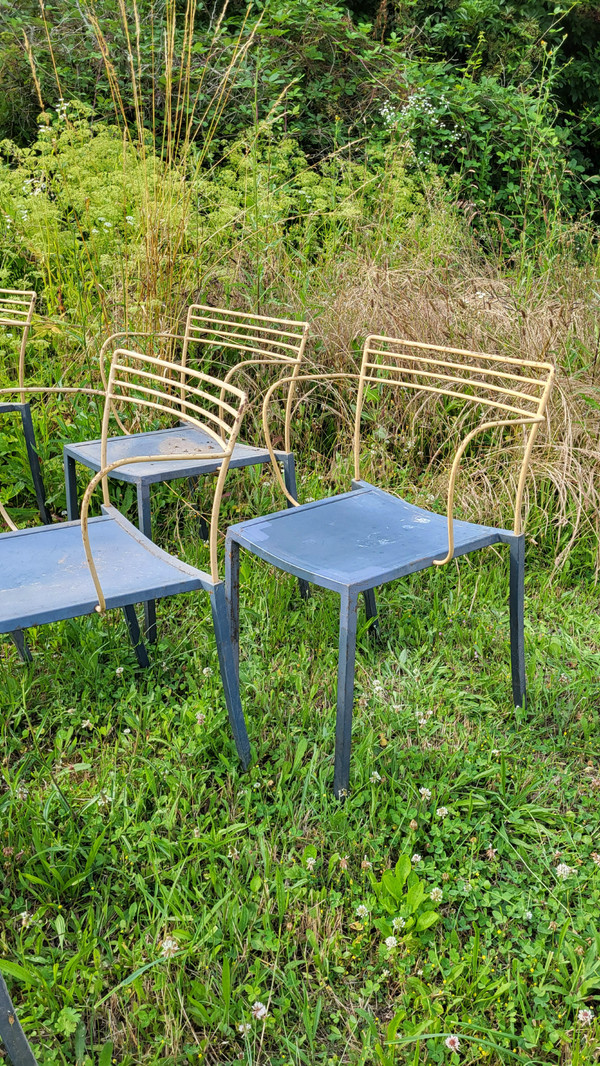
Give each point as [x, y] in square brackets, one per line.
[126, 822]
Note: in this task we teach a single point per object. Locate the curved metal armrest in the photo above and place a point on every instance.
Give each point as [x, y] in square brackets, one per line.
[284, 381]
[102, 474]
[62, 389]
[534, 421]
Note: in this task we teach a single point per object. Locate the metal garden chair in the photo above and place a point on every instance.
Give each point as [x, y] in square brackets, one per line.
[354, 542]
[210, 334]
[16, 313]
[68, 569]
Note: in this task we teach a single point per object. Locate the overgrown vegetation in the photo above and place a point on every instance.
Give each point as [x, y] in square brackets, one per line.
[426, 171]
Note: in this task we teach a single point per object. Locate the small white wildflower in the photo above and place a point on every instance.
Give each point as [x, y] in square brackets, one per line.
[169, 947]
[259, 1011]
[233, 853]
[366, 864]
[375, 777]
[87, 724]
[442, 812]
[22, 792]
[416, 859]
[425, 793]
[200, 718]
[244, 1028]
[398, 924]
[563, 871]
[385, 973]
[207, 671]
[26, 919]
[436, 895]
[528, 916]
[103, 799]
[391, 943]
[310, 863]
[595, 856]
[452, 1042]
[362, 911]
[119, 671]
[127, 731]
[585, 1016]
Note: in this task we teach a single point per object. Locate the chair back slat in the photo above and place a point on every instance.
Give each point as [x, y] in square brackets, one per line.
[16, 312]
[506, 390]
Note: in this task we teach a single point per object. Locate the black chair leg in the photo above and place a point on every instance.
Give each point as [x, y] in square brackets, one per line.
[232, 598]
[229, 674]
[517, 624]
[34, 464]
[71, 488]
[145, 524]
[371, 612]
[136, 638]
[18, 639]
[11, 1033]
[345, 694]
[289, 476]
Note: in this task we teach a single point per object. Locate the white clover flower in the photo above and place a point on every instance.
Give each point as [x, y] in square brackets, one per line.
[528, 916]
[366, 864]
[26, 919]
[563, 871]
[436, 895]
[416, 859]
[119, 671]
[207, 671]
[259, 1011]
[398, 924]
[442, 812]
[233, 853]
[362, 911]
[200, 718]
[391, 943]
[585, 1016]
[425, 793]
[244, 1028]
[310, 863]
[375, 777]
[169, 947]
[452, 1042]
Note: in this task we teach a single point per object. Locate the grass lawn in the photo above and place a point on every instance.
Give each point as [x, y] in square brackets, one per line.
[153, 896]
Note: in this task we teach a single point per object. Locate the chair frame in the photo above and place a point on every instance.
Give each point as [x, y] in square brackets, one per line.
[480, 379]
[266, 341]
[162, 387]
[17, 308]
[11, 1031]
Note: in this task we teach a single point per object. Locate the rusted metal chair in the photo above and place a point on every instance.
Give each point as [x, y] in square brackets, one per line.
[68, 569]
[11, 1032]
[211, 334]
[16, 313]
[354, 542]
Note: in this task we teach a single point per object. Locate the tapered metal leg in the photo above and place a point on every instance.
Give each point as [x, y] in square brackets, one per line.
[145, 524]
[11, 1033]
[34, 464]
[71, 488]
[517, 624]
[371, 612]
[289, 476]
[345, 694]
[229, 673]
[18, 639]
[136, 638]
[193, 483]
[232, 597]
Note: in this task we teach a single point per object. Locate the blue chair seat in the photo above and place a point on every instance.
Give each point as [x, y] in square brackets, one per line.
[183, 439]
[44, 576]
[361, 539]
